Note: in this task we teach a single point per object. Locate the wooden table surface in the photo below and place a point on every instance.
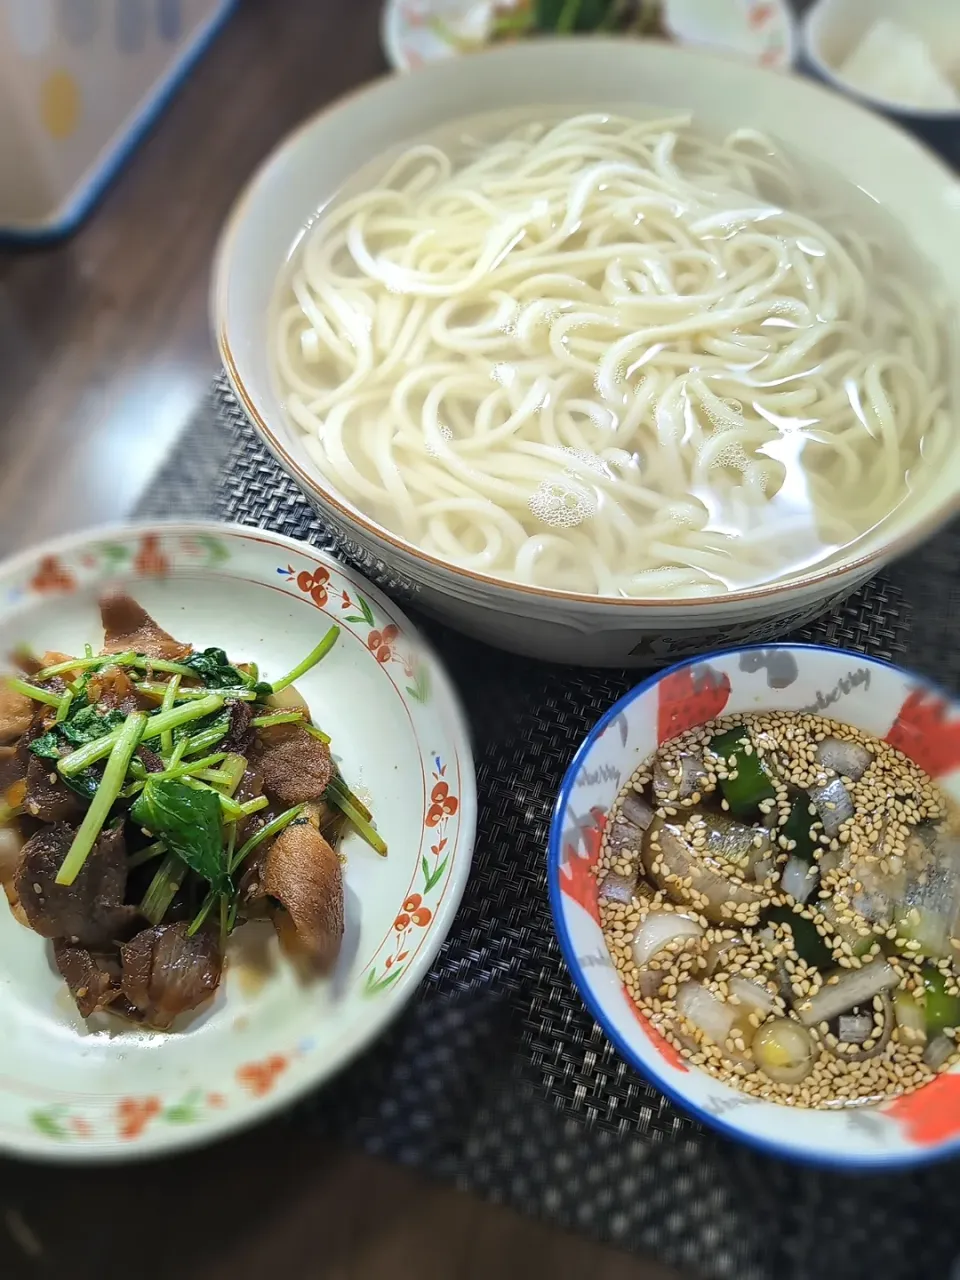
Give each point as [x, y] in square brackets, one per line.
[104, 356]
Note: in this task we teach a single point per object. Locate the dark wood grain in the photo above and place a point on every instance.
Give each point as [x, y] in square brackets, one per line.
[104, 356]
[104, 345]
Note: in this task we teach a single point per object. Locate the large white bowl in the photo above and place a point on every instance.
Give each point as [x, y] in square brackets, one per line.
[313, 163]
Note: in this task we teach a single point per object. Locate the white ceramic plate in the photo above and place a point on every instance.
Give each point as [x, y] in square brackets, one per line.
[414, 32]
[79, 1090]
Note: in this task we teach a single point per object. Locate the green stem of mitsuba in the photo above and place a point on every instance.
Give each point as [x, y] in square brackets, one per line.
[114, 775]
[340, 795]
[232, 812]
[146, 854]
[202, 914]
[156, 724]
[310, 661]
[190, 695]
[163, 888]
[188, 770]
[204, 741]
[31, 691]
[254, 806]
[169, 699]
[160, 664]
[278, 717]
[64, 708]
[314, 732]
[265, 833]
[86, 664]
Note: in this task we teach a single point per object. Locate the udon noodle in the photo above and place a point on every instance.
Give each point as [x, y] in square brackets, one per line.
[611, 355]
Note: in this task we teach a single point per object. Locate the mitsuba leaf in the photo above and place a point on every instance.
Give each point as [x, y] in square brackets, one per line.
[188, 820]
[215, 670]
[87, 724]
[47, 746]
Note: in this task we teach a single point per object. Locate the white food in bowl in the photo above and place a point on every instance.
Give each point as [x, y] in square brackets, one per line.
[895, 63]
[316, 163]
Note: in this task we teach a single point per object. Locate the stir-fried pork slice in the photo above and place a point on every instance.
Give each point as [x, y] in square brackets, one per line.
[166, 972]
[93, 977]
[303, 875]
[47, 796]
[90, 911]
[296, 767]
[239, 736]
[128, 626]
[16, 713]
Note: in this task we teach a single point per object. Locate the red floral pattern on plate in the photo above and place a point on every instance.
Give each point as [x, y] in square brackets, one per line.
[577, 880]
[51, 576]
[259, 1078]
[133, 1116]
[150, 561]
[690, 697]
[924, 732]
[932, 1114]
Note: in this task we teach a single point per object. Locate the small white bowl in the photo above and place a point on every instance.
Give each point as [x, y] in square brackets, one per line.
[832, 29]
[874, 696]
[415, 32]
[79, 1090]
[317, 159]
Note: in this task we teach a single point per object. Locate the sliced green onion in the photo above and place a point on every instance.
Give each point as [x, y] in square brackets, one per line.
[88, 650]
[156, 724]
[265, 833]
[64, 708]
[311, 660]
[146, 854]
[278, 717]
[314, 732]
[114, 774]
[169, 698]
[339, 795]
[31, 691]
[163, 888]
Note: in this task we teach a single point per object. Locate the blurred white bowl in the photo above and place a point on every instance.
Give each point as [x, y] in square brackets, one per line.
[832, 30]
[315, 161]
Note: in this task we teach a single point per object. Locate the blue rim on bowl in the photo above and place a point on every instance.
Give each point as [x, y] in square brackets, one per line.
[686, 1088]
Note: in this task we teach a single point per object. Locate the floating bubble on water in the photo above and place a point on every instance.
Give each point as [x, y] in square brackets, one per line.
[561, 503]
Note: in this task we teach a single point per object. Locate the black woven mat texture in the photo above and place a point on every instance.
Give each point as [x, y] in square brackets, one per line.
[495, 1077]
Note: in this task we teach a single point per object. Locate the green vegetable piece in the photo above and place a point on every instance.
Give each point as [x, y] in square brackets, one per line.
[316, 655]
[47, 746]
[156, 725]
[940, 1008]
[752, 785]
[340, 795]
[189, 823]
[797, 828]
[87, 725]
[163, 888]
[806, 937]
[114, 776]
[573, 15]
[215, 670]
[31, 691]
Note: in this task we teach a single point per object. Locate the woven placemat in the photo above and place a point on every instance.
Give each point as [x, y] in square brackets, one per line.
[496, 1077]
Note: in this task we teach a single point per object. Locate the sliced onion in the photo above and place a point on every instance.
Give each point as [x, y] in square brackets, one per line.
[637, 810]
[854, 1028]
[783, 1050]
[659, 928]
[938, 1051]
[718, 952]
[678, 859]
[693, 778]
[707, 1012]
[910, 1016]
[855, 987]
[799, 879]
[833, 804]
[850, 759]
[618, 888]
[11, 844]
[879, 895]
[753, 995]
